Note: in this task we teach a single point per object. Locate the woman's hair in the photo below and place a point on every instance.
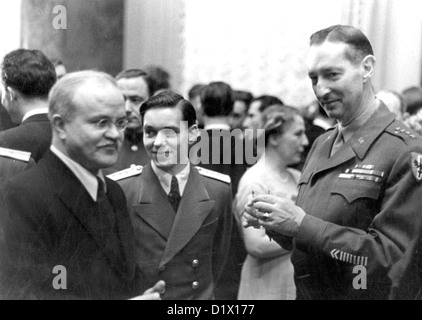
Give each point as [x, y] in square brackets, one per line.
[276, 118]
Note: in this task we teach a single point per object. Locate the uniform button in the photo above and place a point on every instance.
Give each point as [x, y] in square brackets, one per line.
[162, 268]
[398, 128]
[195, 263]
[195, 285]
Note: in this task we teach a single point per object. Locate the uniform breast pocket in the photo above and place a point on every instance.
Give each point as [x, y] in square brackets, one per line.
[355, 202]
[352, 189]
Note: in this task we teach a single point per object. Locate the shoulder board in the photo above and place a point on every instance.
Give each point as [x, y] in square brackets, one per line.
[133, 171]
[214, 175]
[402, 131]
[15, 154]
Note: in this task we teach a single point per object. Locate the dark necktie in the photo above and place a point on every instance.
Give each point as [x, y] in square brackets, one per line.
[106, 210]
[174, 194]
[338, 142]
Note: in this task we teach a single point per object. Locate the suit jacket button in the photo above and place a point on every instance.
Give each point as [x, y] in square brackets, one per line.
[195, 285]
[162, 268]
[195, 263]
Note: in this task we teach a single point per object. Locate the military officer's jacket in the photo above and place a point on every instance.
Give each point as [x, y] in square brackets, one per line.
[187, 249]
[364, 207]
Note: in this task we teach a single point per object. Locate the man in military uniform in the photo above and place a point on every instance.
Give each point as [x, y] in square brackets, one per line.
[13, 162]
[181, 214]
[136, 86]
[26, 79]
[360, 192]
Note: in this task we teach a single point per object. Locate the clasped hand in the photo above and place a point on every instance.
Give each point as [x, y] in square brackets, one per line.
[273, 213]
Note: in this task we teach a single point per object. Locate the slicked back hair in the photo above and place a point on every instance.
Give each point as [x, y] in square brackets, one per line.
[170, 99]
[136, 73]
[28, 71]
[217, 99]
[359, 43]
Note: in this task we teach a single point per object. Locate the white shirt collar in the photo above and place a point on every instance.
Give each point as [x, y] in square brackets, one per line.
[165, 178]
[34, 112]
[88, 180]
[217, 126]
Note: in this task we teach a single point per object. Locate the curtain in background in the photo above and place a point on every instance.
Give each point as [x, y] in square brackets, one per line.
[395, 30]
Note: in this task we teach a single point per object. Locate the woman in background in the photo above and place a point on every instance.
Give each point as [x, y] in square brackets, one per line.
[267, 273]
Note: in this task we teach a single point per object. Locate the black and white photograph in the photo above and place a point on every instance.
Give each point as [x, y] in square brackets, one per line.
[223, 151]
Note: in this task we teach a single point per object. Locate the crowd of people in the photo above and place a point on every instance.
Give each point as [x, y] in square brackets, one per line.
[137, 192]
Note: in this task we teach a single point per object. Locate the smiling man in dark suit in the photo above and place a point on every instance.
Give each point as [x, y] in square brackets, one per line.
[26, 79]
[181, 214]
[63, 213]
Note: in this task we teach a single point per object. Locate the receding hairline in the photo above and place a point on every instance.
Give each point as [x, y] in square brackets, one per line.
[67, 88]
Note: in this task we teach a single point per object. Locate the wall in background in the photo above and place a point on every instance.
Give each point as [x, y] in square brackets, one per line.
[93, 38]
[154, 35]
[10, 24]
[261, 45]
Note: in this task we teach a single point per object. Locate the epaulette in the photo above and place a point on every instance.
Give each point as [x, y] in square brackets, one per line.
[133, 171]
[402, 132]
[214, 175]
[15, 154]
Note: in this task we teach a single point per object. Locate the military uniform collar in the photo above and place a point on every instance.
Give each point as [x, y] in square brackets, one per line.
[349, 130]
[34, 112]
[363, 138]
[165, 178]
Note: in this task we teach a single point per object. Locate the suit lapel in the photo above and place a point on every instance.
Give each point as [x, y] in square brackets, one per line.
[74, 197]
[194, 208]
[154, 207]
[123, 226]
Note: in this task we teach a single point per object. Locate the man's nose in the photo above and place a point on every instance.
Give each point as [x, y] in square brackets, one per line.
[128, 106]
[160, 139]
[114, 133]
[321, 90]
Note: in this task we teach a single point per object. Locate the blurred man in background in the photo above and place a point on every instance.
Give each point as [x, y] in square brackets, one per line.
[26, 79]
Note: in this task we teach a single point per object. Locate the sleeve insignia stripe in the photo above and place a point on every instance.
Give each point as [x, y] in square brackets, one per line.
[214, 175]
[134, 170]
[416, 159]
[349, 258]
[15, 154]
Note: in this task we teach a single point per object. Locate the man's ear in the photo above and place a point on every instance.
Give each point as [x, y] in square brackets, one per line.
[11, 94]
[368, 64]
[58, 125]
[193, 134]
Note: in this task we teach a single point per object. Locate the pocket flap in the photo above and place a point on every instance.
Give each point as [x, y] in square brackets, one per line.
[352, 189]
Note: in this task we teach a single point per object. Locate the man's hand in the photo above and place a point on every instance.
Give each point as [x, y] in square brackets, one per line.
[274, 213]
[153, 293]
